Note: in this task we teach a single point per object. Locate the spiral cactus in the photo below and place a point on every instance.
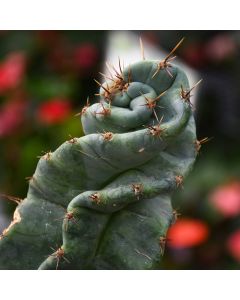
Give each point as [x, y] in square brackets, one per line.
[103, 201]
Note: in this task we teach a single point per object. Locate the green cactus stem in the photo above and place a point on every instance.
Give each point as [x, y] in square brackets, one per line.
[103, 201]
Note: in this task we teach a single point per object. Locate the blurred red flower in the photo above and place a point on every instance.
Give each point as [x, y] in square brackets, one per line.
[220, 47]
[194, 55]
[226, 199]
[233, 245]
[12, 71]
[85, 56]
[54, 111]
[187, 233]
[12, 115]
[49, 38]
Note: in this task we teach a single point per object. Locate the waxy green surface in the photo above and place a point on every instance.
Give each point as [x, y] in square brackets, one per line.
[121, 228]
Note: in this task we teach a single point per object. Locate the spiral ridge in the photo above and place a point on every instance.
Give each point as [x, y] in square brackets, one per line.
[111, 189]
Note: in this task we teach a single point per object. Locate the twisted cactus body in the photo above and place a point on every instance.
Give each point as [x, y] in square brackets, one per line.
[103, 201]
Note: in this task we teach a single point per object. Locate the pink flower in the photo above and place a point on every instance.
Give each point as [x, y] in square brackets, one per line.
[233, 245]
[12, 71]
[226, 199]
[187, 233]
[54, 111]
[220, 47]
[12, 116]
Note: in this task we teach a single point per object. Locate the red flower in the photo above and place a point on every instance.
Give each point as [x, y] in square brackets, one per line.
[233, 245]
[226, 199]
[194, 55]
[85, 56]
[49, 37]
[54, 111]
[220, 47]
[187, 233]
[12, 71]
[12, 116]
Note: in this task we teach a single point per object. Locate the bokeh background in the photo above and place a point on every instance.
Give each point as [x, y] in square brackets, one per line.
[45, 78]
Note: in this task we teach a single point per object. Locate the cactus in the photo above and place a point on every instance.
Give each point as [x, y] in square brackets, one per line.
[103, 201]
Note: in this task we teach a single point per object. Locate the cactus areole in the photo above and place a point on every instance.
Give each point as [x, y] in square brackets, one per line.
[103, 201]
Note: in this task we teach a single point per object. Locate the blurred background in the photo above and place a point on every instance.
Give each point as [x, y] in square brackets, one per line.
[45, 78]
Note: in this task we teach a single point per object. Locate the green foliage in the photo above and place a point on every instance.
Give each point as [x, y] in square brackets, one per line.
[103, 201]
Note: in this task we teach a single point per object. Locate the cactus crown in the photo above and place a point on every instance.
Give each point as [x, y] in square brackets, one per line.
[103, 201]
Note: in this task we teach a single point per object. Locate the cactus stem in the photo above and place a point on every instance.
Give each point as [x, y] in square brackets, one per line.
[143, 254]
[117, 164]
[33, 179]
[137, 189]
[84, 109]
[95, 157]
[107, 135]
[95, 198]
[87, 154]
[165, 64]
[179, 180]
[59, 254]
